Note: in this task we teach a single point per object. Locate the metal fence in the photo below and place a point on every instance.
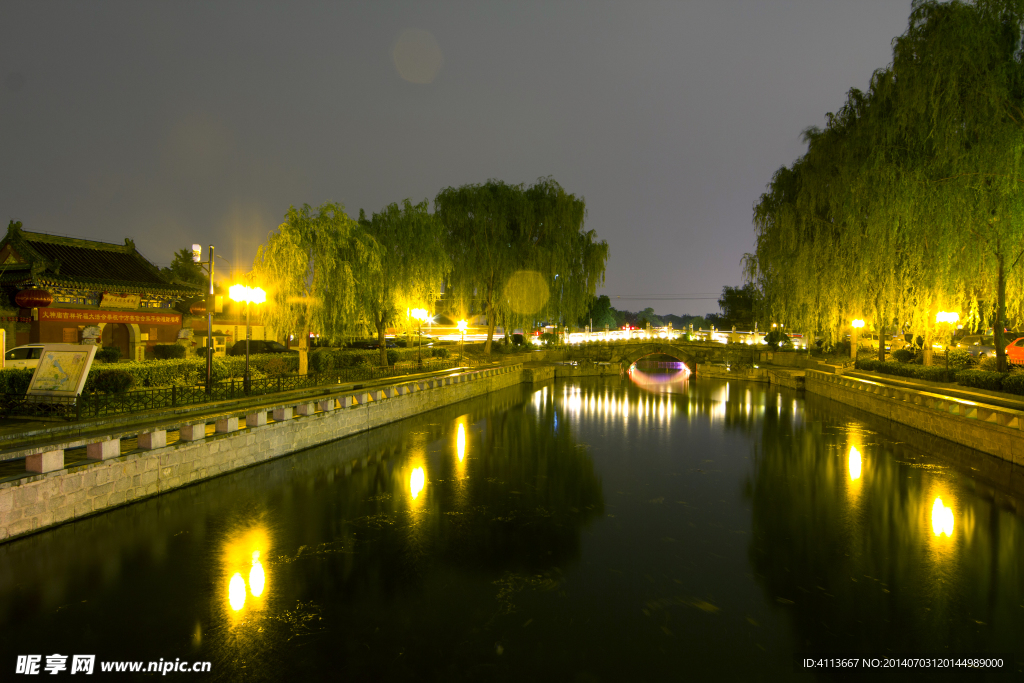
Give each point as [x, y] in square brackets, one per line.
[97, 404]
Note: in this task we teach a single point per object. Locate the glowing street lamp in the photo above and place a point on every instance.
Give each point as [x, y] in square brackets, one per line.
[856, 325]
[250, 295]
[419, 315]
[462, 346]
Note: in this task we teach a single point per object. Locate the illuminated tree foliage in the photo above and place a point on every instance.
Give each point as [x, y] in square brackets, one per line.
[520, 253]
[910, 200]
[310, 268]
[412, 265]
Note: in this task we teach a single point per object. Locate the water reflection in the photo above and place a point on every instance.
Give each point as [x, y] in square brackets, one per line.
[871, 559]
[245, 576]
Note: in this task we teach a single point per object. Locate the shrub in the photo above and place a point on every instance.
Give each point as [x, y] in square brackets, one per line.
[274, 367]
[1014, 383]
[990, 364]
[392, 356]
[322, 361]
[15, 380]
[439, 352]
[904, 355]
[842, 348]
[776, 337]
[980, 379]
[959, 359]
[113, 381]
[108, 354]
[549, 338]
[168, 351]
[930, 374]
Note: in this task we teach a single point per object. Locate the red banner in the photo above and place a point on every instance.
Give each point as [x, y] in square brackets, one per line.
[79, 315]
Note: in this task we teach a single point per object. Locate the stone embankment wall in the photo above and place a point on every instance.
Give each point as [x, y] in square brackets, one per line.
[37, 502]
[992, 430]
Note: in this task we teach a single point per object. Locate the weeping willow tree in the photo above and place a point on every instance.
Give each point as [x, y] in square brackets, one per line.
[520, 253]
[411, 268]
[310, 268]
[909, 201]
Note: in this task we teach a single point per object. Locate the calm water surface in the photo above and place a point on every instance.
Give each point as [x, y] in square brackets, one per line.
[599, 530]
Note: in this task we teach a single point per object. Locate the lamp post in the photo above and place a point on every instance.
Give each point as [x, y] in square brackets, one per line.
[462, 346]
[419, 315]
[856, 325]
[197, 256]
[254, 295]
[951, 318]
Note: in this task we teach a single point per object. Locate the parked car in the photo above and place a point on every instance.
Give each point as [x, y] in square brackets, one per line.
[258, 346]
[23, 356]
[1015, 351]
[983, 347]
[371, 344]
[966, 342]
[406, 340]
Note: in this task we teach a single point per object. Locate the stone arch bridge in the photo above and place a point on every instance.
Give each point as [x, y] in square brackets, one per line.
[690, 353]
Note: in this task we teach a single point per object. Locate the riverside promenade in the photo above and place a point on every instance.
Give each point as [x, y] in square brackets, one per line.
[55, 472]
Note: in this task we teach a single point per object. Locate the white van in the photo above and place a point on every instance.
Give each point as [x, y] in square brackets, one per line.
[23, 356]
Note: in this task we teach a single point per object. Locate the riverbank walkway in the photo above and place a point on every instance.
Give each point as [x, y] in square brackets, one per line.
[27, 437]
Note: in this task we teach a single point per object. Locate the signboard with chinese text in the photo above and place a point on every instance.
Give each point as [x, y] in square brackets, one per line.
[120, 300]
[84, 315]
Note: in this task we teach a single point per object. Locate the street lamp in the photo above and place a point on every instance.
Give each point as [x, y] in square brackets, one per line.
[951, 318]
[419, 315]
[856, 325]
[462, 347]
[197, 258]
[249, 295]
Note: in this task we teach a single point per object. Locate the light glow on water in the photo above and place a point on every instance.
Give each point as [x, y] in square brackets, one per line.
[236, 592]
[417, 480]
[854, 463]
[942, 518]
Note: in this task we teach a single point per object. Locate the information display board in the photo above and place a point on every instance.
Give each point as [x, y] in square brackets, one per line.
[62, 370]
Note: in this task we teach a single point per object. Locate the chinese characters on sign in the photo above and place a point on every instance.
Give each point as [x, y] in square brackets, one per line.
[29, 664]
[87, 316]
[120, 300]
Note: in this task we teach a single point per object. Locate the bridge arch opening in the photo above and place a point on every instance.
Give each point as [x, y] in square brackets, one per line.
[658, 371]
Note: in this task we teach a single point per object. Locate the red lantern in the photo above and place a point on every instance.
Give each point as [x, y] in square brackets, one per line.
[33, 298]
[197, 308]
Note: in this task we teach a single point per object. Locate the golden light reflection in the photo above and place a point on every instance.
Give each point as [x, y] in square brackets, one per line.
[417, 480]
[256, 576]
[460, 442]
[240, 558]
[942, 519]
[855, 463]
[236, 592]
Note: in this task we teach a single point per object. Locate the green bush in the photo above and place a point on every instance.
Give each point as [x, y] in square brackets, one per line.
[168, 351]
[15, 380]
[108, 354]
[113, 381]
[959, 359]
[930, 374]
[990, 364]
[1014, 383]
[980, 379]
[439, 352]
[392, 356]
[322, 361]
[549, 338]
[775, 337]
[904, 355]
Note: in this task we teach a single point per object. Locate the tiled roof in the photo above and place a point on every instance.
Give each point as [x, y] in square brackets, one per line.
[70, 262]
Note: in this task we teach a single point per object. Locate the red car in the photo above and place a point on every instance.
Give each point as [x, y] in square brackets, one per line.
[1015, 351]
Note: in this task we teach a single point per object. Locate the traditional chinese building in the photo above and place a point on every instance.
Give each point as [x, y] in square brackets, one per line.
[56, 288]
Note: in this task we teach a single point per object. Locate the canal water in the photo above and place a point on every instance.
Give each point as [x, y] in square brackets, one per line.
[644, 528]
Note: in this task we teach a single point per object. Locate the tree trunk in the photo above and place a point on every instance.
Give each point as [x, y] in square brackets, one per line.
[1000, 322]
[379, 324]
[304, 352]
[490, 328]
[927, 350]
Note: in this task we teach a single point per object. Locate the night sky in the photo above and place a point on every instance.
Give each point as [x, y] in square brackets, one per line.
[181, 122]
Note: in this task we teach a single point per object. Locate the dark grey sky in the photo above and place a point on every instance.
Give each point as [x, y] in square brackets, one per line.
[183, 122]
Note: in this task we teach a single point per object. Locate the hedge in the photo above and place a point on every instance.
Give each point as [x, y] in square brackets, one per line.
[980, 379]
[927, 373]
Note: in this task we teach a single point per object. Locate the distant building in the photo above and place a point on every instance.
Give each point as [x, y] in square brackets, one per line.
[54, 288]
